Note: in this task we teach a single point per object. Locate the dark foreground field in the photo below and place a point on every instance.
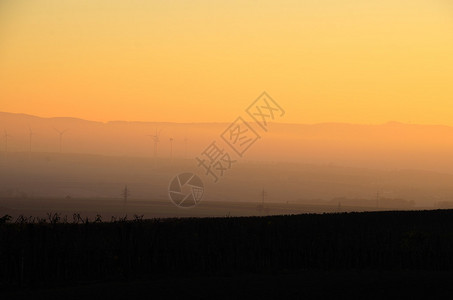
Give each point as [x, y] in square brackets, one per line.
[365, 255]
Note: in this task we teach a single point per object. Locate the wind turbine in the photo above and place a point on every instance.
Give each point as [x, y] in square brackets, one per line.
[30, 135]
[6, 136]
[60, 132]
[156, 140]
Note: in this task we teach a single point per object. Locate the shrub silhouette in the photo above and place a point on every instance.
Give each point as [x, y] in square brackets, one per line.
[52, 250]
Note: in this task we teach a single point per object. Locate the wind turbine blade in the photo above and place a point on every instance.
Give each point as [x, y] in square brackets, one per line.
[6, 135]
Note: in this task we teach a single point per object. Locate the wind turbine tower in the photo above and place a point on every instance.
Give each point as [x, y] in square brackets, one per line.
[156, 140]
[6, 136]
[60, 132]
[30, 136]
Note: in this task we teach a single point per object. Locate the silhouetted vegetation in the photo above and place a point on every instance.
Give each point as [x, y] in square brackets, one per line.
[60, 249]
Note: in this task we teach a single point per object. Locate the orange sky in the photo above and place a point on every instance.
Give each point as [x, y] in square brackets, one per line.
[194, 61]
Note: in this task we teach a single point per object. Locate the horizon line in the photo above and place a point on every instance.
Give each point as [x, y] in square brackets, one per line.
[225, 122]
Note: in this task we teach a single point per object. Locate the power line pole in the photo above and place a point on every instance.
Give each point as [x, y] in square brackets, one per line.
[125, 195]
[377, 199]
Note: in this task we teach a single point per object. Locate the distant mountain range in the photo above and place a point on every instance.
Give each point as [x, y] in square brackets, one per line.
[392, 146]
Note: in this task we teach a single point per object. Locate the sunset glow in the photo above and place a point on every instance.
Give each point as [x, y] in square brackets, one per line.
[204, 61]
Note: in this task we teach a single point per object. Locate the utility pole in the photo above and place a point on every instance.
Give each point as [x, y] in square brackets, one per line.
[377, 199]
[125, 195]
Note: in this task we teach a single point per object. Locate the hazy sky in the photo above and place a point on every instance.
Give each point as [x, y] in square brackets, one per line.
[192, 61]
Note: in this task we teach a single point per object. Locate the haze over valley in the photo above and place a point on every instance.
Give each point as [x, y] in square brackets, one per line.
[300, 167]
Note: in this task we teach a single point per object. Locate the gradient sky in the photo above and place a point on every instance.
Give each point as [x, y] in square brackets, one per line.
[193, 61]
